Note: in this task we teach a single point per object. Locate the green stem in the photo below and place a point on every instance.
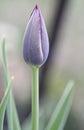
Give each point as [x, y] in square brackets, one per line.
[35, 99]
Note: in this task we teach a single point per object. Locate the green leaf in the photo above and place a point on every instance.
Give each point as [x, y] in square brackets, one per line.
[12, 116]
[4, 62]
[16, 124]
[59, 116]
[27, 125]
[3, 104]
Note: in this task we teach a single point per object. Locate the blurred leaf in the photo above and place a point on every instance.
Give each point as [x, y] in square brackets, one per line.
[16, 124]
[12, 116]
[4, 62]
[27, 125]
[59, 116]
[3, 104]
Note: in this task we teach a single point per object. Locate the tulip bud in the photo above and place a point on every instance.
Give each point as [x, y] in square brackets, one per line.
[36, 43]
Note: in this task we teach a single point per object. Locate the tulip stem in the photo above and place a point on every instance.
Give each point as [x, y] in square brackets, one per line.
[35, 99]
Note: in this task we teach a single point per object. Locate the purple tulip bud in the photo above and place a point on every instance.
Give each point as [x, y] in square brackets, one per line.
[36, 43]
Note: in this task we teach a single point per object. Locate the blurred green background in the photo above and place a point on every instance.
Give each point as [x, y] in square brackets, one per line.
[65, 24]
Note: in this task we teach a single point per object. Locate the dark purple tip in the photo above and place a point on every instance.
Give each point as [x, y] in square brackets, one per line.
[36, 7]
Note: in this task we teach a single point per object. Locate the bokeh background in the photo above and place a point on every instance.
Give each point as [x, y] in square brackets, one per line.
[64, 20]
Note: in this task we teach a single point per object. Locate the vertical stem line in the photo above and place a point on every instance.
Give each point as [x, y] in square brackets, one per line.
[35, 98]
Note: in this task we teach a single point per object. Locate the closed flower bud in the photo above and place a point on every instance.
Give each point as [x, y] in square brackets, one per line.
[36, 43]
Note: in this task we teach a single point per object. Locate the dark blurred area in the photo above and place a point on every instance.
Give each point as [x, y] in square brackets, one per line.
[65, 24]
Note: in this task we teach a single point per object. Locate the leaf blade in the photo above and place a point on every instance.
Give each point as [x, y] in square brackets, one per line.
[28, 123]
[3, 104]
[61, 112]
[12, 116]
[16, 123]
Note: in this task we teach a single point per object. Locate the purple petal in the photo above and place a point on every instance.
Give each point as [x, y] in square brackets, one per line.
[36, 44]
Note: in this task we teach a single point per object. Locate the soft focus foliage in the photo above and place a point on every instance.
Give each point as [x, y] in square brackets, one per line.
[67, 55]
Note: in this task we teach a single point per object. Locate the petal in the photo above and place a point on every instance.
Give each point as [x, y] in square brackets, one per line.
[36, 44]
